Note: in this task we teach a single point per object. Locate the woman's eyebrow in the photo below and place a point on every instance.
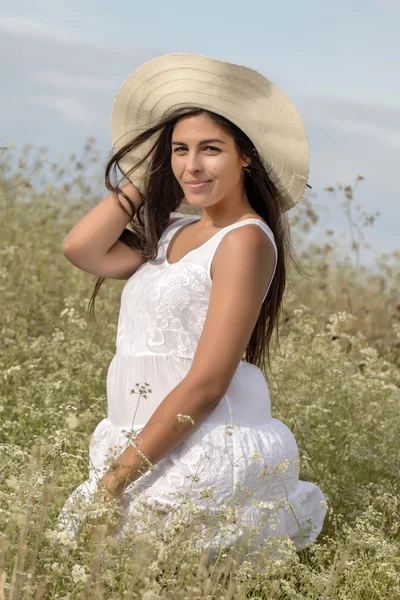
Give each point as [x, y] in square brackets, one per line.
[202, 142]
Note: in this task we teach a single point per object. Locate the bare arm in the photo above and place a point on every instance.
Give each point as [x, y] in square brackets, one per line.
[162, 433]
[93, 245]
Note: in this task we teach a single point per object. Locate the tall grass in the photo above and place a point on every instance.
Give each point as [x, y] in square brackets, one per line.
[334, 381]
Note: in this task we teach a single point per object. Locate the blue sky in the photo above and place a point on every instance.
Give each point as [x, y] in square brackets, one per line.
[62, 64]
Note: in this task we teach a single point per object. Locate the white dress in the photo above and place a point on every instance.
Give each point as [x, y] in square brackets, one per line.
[163, 309]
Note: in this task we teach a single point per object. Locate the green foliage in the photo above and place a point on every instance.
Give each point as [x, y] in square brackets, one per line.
[334, 381]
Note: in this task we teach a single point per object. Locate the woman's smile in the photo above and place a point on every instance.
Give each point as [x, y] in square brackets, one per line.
[198, 185]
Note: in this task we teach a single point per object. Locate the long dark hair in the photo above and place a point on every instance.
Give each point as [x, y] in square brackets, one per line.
[163, 195]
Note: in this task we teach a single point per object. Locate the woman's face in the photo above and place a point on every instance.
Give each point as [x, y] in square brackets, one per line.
[203, 151]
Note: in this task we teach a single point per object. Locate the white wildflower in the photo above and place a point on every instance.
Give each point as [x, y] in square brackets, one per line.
[10, 371]
[184, 418]
[283, 466]
[58, 335]
[267, 505]
[154, 568]
[78, 574]
[72, 421]
[369, 352]
[273, 521]
[64, 537]
[150, 595]
[12, 482]
[257, 456]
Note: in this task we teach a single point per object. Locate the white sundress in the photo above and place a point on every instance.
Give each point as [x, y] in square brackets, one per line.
[162, 312]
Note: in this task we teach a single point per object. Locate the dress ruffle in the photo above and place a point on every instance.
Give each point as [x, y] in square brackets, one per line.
[253, 469]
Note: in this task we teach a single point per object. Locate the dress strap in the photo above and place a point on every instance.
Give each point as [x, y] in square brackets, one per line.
[169, 231]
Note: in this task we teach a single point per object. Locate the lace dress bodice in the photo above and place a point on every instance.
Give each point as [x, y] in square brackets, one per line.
[164, 305]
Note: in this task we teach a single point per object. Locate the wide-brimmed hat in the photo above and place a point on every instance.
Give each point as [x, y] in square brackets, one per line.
[242, 95]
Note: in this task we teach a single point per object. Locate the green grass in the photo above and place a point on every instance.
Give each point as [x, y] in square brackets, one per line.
[334, 381]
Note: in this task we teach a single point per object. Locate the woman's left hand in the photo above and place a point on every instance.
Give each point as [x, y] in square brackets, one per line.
[108, 490]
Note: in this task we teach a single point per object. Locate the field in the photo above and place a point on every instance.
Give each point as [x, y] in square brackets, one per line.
[334, 380]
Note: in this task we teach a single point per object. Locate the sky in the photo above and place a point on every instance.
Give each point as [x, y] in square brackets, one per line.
[61, 65]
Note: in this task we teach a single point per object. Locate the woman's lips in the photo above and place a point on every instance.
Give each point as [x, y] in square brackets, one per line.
[196, 186]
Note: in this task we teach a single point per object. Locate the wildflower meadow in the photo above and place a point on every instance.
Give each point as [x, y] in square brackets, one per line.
[334, 381]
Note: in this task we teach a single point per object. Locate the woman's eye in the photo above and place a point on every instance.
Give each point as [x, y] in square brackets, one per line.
[213, 148]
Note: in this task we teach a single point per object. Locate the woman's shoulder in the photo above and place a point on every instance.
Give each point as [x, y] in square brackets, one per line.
[267, 229]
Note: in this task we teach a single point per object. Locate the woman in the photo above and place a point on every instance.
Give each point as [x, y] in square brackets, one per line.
[202, 292]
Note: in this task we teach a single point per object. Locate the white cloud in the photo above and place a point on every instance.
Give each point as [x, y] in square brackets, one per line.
[378, 121]
[62, 80]
[60, 91]
[25, 26]
[70, 107]
[391, 4]
[375, 130]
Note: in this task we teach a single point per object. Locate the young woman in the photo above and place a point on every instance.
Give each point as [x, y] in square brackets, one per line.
[202, 296]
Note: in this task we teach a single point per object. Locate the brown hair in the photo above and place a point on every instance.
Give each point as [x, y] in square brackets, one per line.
[163, 195]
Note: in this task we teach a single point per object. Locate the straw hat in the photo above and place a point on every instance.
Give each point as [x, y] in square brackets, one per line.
[242, 95]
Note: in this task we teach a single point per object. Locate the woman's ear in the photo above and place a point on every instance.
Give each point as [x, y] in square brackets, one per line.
[246, 161]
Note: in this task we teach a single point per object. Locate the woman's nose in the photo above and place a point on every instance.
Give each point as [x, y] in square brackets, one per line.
[193, 162]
